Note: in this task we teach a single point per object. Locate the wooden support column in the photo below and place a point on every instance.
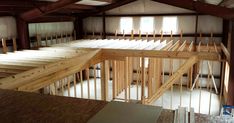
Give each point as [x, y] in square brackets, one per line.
[226, 29]
[104, 80]
[78, 26]
[230, 99]
[23, 34]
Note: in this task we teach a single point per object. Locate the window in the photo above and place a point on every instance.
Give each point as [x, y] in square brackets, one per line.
[126, 24]
[147, 24]
[169, 24]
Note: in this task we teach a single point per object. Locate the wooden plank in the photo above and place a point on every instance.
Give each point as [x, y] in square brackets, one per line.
[226, 52]
[62, 68]
[69, 86]
[14, 44]
[74, 81]
[121, 53]
[143, 80]
[95, 81]
[104, 80]
[88, 82]
[184, 68]
[114, 77]
[4, 46]
[81, 85]
[126, 79]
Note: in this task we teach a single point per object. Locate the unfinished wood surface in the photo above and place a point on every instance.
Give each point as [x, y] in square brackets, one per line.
[184, 68]
[4, 46]
[95, 81]
[14, 44]
[104, 80]
[53, 71]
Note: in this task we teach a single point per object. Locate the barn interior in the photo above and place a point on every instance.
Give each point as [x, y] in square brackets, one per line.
[111, 61]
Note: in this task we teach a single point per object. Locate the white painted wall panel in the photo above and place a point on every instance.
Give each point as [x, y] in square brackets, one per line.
[8, 27]
[208, 23]
[92, 24]
[48, 28]
[146, 6]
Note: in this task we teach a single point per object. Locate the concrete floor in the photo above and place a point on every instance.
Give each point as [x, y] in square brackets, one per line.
[164, 100]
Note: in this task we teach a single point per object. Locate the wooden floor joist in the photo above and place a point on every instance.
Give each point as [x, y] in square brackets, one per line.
[30, 70]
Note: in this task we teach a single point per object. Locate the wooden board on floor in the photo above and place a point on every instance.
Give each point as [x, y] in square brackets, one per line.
[119, 112]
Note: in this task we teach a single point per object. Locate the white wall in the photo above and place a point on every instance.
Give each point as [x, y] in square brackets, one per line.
[8, 27]
[146, 6]
[206, 23]
[50, 28]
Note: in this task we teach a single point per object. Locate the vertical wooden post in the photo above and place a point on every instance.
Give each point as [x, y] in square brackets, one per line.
[143, 80]
[104, 80]
[62, 84]
[88, 82]
[4, 46]
[81, 84]
[38, 40]
[14, 44]
[139, 34]
[138, 74]
[55, 90]
[61, 37]
[161, 38]
[114, 80]
[46, 39]
[95, 81]
[66, 39]
[68, 86]
[116, 34]
[56, 38]
[74, 81]
[132, 35]
[126, 79]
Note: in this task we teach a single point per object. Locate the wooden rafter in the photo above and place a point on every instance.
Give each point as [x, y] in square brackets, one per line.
[46, 9]
[201, 7]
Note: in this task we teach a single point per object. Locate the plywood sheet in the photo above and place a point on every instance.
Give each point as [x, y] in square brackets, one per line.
[119, 112]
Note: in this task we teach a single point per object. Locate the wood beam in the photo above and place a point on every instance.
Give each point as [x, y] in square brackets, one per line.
[176, 76]
[52, 19]
[46, 9]
[115, 54]
[201, 7]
